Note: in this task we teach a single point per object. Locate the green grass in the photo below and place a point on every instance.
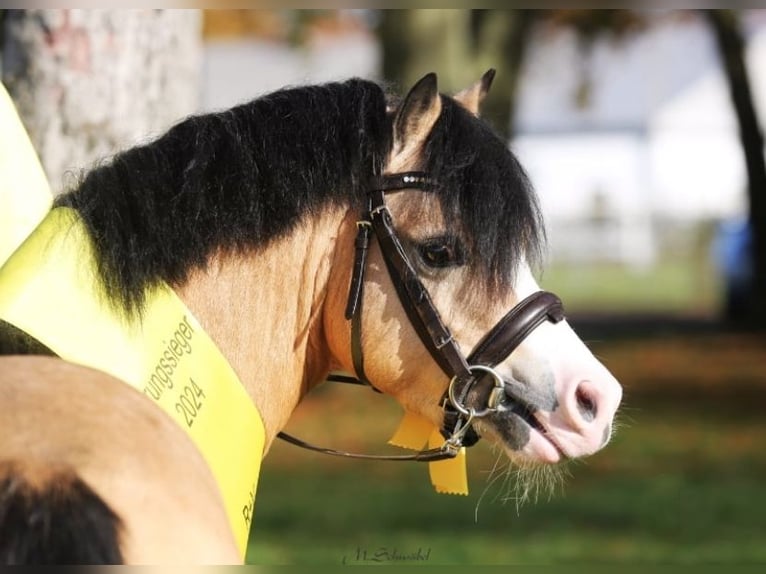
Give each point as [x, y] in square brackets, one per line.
[682, 482]
[672, 285]
[677, 515]
[668, 517]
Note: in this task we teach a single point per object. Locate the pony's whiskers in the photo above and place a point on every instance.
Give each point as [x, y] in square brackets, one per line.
[521, 481]
[531, 481]
[495, 473]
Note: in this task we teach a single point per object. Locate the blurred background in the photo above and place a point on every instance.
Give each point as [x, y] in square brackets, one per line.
[642, 132]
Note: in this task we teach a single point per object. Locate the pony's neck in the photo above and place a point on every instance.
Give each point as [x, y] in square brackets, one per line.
[264, 310]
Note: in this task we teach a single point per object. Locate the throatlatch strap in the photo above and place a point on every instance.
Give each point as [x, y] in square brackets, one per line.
[361, 244]
[355, 301]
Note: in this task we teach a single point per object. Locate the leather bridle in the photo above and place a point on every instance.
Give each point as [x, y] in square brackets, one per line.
[464, 372]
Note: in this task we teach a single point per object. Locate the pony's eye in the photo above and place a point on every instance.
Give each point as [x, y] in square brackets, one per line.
[441, 252]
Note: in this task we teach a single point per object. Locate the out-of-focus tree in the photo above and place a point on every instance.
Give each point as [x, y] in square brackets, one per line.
[728, 33]
[89, 82]
[460, 45]
[592, 25]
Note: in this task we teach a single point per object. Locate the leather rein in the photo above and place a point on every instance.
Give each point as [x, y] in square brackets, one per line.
[464, 372]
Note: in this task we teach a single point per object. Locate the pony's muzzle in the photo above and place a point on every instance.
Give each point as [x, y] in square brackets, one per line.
[588, 408]
[588, 397]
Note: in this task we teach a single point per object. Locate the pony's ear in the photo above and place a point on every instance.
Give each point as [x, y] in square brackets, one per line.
[471, 97]
[417, 115]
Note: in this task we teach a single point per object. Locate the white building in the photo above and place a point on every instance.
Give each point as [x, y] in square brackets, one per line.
[657, 144]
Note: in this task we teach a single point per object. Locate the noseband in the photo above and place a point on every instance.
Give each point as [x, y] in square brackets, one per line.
[464, 372]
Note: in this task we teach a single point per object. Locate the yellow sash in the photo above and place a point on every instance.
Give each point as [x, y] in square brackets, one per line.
[25, 197]
[48, 288]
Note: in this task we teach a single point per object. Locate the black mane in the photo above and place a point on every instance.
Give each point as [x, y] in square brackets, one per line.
[241, 178]
[235, 179]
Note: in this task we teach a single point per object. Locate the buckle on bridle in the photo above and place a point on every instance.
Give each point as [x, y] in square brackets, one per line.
[455, 441]
[378, 209]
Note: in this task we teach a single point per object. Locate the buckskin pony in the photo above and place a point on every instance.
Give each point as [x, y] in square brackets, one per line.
[228, 267]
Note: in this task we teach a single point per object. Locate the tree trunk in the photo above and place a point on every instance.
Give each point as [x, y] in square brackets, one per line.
[725, 24]
[416, 42]
[90, 82]
[459, 45]
[501, 39]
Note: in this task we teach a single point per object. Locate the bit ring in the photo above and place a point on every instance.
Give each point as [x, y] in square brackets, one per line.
[494, 397]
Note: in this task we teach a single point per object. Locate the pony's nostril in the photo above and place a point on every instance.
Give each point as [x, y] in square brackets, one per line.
[586, 404]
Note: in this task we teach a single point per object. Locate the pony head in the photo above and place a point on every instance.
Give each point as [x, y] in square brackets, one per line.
[472, 237]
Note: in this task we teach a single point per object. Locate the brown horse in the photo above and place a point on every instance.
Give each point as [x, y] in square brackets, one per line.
[313, 230]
